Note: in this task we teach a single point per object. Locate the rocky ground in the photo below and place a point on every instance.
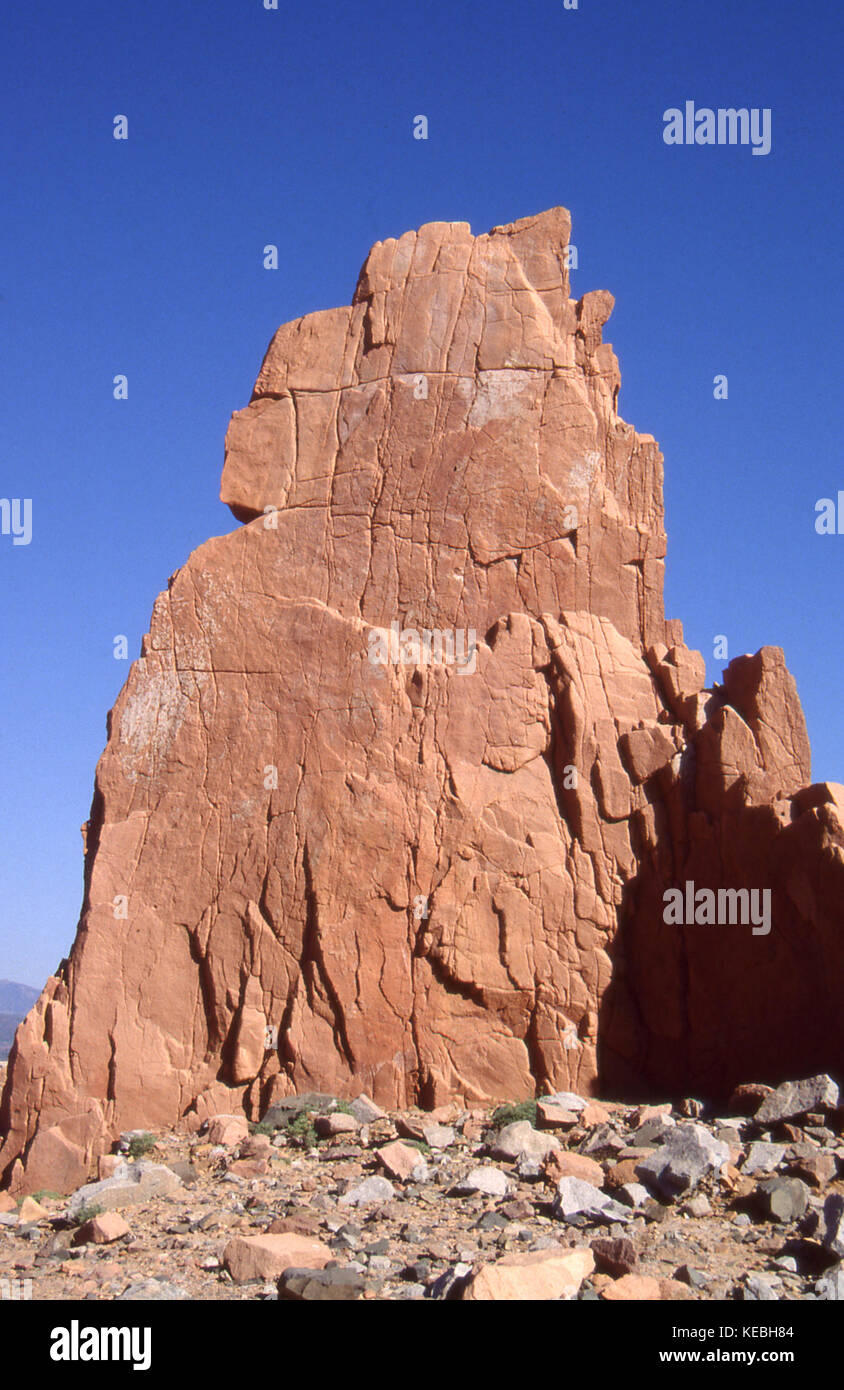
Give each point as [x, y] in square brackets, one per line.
[561, 1198]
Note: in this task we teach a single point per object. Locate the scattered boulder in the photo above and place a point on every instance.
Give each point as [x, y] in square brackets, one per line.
[566, 1100]
[102, 1230]
[603, 1140]
[782, 1199]
[536, 1275]
[746, 1099]
[321, 1285]
[521, 1140]
[795, 1098]
[228, 1130]
[256, 1146]
[632, 1288]
[562, 1164]
[402, 1162]
[30, 1210]
[617, 1174]
[817, 1169]
[368, 1192]
[337, 1122]
[132, 1183]
[762, 1158]
[492, 1182]
[688, 1153]
[615, 1255]
[674, 1291]
[756, 1289]
[575, 1198]
[551, 1116]
[438, 1136]
[831, 1285]
[251, 1259]
[366, 1111]
[633, 1194]
[451, 1283]
[833, 1217]
[653, 1131]
[61, 1155]
[593, 1114]
[650, 1112]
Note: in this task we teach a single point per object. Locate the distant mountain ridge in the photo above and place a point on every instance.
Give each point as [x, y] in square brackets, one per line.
[14, 997]
[15, 1003]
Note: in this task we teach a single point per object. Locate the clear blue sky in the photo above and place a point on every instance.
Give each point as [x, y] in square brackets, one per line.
[249, 126]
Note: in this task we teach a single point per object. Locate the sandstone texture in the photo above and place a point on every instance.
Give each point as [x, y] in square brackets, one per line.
[310, 870]
[539, 1275]
[252, 1258]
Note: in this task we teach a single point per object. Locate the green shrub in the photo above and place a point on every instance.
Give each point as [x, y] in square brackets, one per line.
[86, 1212]
[141, 1144]
[260, 1127]
[302, 1128]
[514, 1111]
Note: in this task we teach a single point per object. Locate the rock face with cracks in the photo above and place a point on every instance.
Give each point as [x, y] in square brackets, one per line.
[326, 854]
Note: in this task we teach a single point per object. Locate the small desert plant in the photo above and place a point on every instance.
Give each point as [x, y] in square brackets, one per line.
[514, 1111]
[302, 1128]
[86, 1212]
[261, 1127]
[141, 1144]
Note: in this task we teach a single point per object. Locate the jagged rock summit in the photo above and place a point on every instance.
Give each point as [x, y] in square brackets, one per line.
[393, 795]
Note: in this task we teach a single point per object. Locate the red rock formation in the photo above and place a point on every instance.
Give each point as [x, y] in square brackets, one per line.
[410, 877]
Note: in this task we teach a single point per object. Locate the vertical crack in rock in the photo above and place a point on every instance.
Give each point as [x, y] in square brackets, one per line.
[314, 968]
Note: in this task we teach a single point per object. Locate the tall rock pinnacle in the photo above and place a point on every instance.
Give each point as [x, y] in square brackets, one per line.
[393, 797]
